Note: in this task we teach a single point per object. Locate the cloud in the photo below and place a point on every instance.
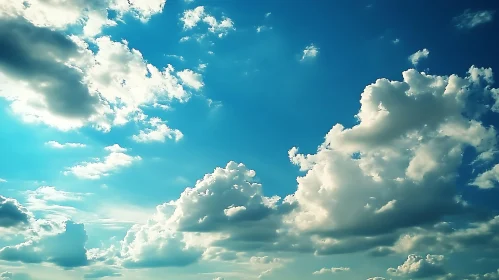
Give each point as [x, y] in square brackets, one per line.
[310, 52]
[57, 145]
[487, 276]
[101, 272]
[65, 249]
[331, 270]
[268, 14]
[469, 19]
[221, 27]
[192, 17]
[3, 180]
[487, 180]
[376, 278]
[43, 88]
[444, 238]
[115, 160]
[92, 15]
[49, 193]
[419, 267]
[103, 84]
[419, 55]
[191, 79]
[158, 133]
[12, 214]
[156, 246]
[405, 154]
[396, 41]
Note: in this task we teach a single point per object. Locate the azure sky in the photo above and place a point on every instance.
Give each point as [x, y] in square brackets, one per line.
[228, 140]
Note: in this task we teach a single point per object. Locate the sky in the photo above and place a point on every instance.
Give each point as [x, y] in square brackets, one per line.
[220, 140]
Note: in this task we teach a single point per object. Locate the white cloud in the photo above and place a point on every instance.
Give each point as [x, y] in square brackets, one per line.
[65, 249]
[262, 28]
[191, 79]
[489, 179]
[3, 180]
[469, 19]
[405, 154]
[108, 81]
[376, 278]
[331, 270]
[396, 41]
[419, 55]
[57, 145]
[184, 39]
[92, 15]
[49, 193]
[309, 52]
[158, 133]
[268, 14]
[419, 267]
[12, 214]
[114, 161]
[191, 18]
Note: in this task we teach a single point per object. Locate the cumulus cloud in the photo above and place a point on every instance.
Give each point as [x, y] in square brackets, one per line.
[68, 82]
[444, 238]
[470, 19]
[12, 214]
[191, 79]
[65, 249]
[57, 145]
[220, 27]
[115, 160]
[331, 270]
[40, 87]
[419, 267]
[404, 153]
[419, 55]
[489, 179]
[158, 132]
[310, 52]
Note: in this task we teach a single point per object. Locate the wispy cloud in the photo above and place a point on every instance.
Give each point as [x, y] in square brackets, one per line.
[57, 145]
[309, 52]
[469, 19]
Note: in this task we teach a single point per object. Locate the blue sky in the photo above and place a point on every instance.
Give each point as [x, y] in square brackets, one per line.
[192, 139]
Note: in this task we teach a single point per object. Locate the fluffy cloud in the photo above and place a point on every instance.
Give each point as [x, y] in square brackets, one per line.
[331, 270]
[65, 249]
[419, 267]
[443, 237]
[488, 179]
[92, 15]
[309, 52]
[116, 159]
[191, 79]
[93, 82]
[41, 87]
[158, 133]
[155, 245]
[57, 145]
[221, 27]
[404, 153]
[376, 278]
[419, 55]
[12, 214]
[469, 19]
